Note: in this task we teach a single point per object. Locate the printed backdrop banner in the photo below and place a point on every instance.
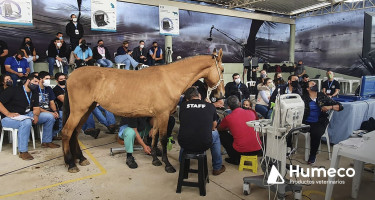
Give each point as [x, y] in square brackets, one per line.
[169, 20]
[103, 15]
[17, 12]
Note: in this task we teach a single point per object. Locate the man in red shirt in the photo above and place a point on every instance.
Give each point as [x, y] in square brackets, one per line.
[242, 139]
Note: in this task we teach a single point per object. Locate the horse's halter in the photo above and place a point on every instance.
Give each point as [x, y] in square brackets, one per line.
[210, 89]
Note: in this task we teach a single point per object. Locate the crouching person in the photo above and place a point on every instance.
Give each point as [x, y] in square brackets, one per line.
[21, 100]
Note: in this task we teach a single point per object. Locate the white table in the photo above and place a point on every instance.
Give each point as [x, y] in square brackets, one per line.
[361, 155]
[319, 80]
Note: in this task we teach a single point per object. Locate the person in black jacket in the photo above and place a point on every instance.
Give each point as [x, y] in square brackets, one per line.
[57, 52]
[74, 30]
[292, 87]
[140, 53]
[237, 88]
[316, 106]
[102, 55]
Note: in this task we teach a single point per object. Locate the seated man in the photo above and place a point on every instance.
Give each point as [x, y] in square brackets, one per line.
[124, 56]
[57, 52]
[131, 129]
[48, 110]
[83, 54]
[156, 54]
[140, 53]
[237, 88]
[102, 55]
[304, 79]
[22, 100]
[107, 120]
[59, 91]
[29, 51]
[242, 139]
[17, 67]
[198, 128]
[330, 87]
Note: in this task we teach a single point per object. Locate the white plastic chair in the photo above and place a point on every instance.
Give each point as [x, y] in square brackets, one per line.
[40, 129]
[13, 138]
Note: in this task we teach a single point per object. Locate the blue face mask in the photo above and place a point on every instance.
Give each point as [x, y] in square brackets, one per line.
[60, 38]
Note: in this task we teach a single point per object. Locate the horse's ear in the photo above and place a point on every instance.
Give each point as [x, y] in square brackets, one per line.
[220, 55]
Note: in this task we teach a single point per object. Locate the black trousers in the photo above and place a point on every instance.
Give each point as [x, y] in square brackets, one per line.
[226, 140]
[81, 63]
[2, 60]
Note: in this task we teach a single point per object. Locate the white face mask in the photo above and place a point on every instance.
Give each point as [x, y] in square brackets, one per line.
[46, 83]
[58, 44]
[237, 81]
[141, 45]
[74, 19]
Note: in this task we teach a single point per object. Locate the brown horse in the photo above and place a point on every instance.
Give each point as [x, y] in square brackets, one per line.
[151, 92]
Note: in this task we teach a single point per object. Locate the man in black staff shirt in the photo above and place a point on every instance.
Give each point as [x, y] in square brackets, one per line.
[48, 110]
[21, 100]
[74, 30]
[237, 88]
[197, 120]
[331, 87]
[59, 91]
[3, 55]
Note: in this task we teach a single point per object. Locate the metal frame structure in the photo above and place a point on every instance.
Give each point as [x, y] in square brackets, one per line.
[339, 7]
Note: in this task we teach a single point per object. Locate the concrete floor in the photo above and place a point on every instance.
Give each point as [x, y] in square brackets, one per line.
[108, 177]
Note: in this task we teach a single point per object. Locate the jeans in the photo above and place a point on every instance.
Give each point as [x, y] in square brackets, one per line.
[108, 119]
[217, 160]
[105, 63]
[51, 62]
[31, 62]
[127, 60]
[23, 127]
[55, 132]
[47, 119]
[263, 110]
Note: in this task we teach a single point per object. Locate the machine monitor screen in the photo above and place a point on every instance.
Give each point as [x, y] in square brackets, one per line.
[367, 86]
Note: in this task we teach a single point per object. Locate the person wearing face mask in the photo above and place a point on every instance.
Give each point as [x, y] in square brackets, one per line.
[316, 106]
[156, 54]
[278, 79]
[59, 91]
[29, 51]
[22, 100]
[56, 52]
[299, 69]
[330, 87]
[237, 88]
[292, 87]
[265, 91]
[5, 82]
[83, 54]
[74, 30]
[48, 110]
[124, 56]
[102, 55]
[140, 53]
[17, 67]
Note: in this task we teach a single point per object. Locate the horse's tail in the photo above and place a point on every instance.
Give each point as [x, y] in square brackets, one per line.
[66, 107]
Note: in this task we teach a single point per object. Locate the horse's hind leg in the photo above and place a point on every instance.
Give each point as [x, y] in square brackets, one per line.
[67, 140]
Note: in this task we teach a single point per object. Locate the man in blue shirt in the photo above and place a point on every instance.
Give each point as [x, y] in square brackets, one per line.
[17, 67]
[156, 54]
[83, 54]
[124, 56]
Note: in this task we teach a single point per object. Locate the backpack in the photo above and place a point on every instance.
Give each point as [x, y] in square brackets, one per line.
[368, 125]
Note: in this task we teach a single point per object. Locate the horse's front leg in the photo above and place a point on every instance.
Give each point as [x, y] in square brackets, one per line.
[154, 146]
[168, 167]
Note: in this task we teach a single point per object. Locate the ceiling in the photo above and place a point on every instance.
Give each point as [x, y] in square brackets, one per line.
[282, 7]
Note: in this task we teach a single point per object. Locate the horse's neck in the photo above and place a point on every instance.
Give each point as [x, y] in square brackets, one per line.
[188, 71]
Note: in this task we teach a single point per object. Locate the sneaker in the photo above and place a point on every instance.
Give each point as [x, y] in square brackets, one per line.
[219, 171]
[92, 132]
[232, 161]
[50, 145]
[311, 160]
[130, 161]
[26, 156]
[141, 66]
[111, 129]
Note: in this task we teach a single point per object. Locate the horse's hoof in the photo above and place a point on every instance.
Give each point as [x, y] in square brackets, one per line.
[156, 162]
[73, 169]
[84, 162]
[170, 169]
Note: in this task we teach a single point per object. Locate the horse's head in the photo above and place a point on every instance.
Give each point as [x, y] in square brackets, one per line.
[214, 78]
